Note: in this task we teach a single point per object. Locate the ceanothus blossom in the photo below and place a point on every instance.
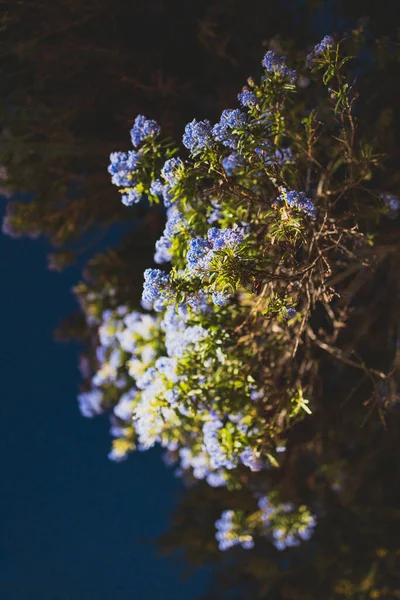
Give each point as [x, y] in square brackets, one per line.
[175, 221]
[276, 64]
[232, 162]
[320, 48]
[90, 403]
[122, 166]
[228, 535]
[173, 170]
[201, 251]
[224, 131]
[143, 129]
[156, 287]
[247, 98]
[198, 135]
[297, 200]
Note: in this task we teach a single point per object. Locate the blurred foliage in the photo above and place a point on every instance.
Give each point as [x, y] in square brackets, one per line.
[74, 75]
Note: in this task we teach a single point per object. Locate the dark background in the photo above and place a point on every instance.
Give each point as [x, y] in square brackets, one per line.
[74, 525]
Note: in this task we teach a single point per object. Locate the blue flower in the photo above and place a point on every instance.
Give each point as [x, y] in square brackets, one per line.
[168, 197]
[163, 250]
[164, 244]
[267, 509]
[124, 409]
[198, 254]
[228, 534]
[392, 203]
[283, 155]
[172, 396]
[121, 168]
[299, 201]
[201, 250]
[322, 46]
[211, 444]
[219, 298]
[231, 119]
[146, 379]
[215, 214]
[215, 479]
[247, 98]
[143, 129]
[198, 134]
[90, 403]
[167, 366]
[274, 156]
[283, 539]
[178, 336]
[115, 455]
[156, 285]
[158, 188]
[276, 64]
[306, 531]
[273, 61]
[247, 544]
[131, 196]
[249, 459]
[173, 170]
[232, 162]
[220, 238]
[291, 313]
[198, 301]
[216, 238]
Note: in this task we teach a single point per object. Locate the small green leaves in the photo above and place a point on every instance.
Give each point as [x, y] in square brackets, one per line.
[299, 403]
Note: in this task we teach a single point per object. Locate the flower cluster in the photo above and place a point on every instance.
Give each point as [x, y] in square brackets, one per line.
[228, 535]
[173, 170]
[175, 222]
[274, 156]
[127, 346]
[198, 135]
[161, 190]
[392, 204]
[143, 129]
[320, 48]
[289, 525]
[232, 162]
[284, 524]
[122, 165]
[247, 98]
[132, 171]
[202, 250]
[276, 64]
[224, 130]
[178, 391]
[222, 373]
[297, 200]
[156, 288]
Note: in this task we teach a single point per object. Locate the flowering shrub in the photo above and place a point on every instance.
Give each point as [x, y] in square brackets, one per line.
[269, 218]
[286, 525]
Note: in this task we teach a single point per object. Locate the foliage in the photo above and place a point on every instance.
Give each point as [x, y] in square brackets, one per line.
[261, 371]
[73, 74]
[268, 369]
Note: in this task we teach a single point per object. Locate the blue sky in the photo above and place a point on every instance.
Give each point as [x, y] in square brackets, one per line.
[74, 525]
